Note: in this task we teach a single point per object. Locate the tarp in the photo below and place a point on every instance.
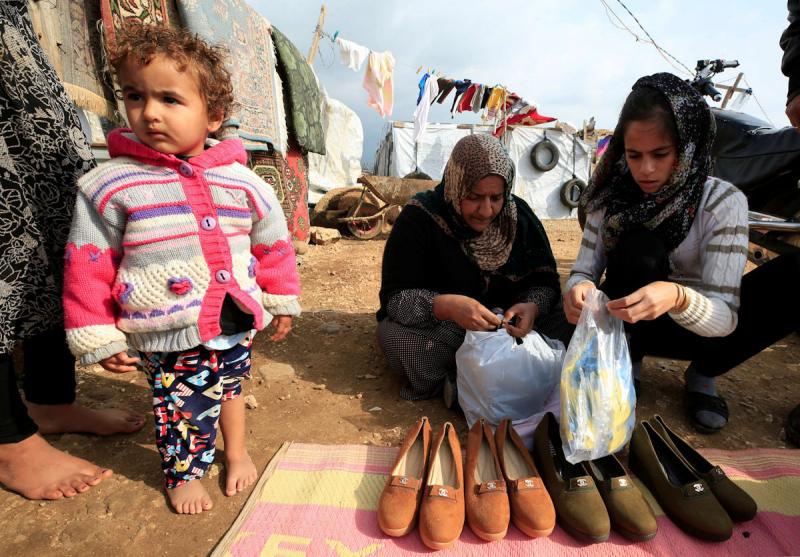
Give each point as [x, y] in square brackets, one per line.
[397, 156]
[344, 144]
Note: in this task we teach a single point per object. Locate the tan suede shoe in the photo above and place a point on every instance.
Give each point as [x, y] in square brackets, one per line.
[399, 502]
[485, 494]
[630, 514]
[579, 507]
[531, 507]
[441, 513]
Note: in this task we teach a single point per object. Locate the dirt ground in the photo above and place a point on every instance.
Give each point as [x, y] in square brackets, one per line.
[328, 383]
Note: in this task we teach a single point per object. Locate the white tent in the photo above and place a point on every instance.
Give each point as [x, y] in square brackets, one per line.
[397, 156]
[344, 143]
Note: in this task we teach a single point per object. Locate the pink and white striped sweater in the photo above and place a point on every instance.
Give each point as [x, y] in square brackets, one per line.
[157, 243]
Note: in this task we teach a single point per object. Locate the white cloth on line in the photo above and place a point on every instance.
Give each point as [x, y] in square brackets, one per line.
[352, 54]
[421, 112]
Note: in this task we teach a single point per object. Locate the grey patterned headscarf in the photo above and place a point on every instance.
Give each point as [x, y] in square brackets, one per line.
[473, 158]
[670, 212]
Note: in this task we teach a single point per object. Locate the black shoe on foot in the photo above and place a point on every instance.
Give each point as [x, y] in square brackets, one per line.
[793, 426]
[701, 402]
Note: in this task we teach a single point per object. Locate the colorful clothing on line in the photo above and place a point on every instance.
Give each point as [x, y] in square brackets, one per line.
[188, 391]
[378, 82]
[431, 89]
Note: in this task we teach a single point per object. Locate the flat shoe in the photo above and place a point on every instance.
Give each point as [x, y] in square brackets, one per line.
[738, 504]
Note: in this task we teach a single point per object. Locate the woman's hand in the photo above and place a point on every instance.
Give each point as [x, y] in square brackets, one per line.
[574, 300]
[648, 303]
[467, 312]
[526, 314]
[119, 363]
[282, 324]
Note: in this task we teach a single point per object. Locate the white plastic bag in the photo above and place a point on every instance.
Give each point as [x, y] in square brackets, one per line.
[498, 378]
[597, 397]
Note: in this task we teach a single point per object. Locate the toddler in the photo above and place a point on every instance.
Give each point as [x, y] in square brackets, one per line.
[179, 251]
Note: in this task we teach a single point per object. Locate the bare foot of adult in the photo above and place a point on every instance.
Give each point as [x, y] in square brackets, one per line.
[36, 470]
[240, 473]
[190, 498]
[74, 418]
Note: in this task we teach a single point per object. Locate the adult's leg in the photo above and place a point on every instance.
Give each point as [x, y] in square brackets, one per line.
[424, 356]
[49, 385]
[28, 464]
[769, 311]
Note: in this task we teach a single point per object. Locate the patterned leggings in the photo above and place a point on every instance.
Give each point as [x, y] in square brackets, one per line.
[188, 390]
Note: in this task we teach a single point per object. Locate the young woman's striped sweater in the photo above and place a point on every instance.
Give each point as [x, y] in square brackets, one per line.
[157, 243]
[709, 262]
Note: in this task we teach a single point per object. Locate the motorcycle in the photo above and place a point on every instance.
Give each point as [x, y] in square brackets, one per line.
[763, 162]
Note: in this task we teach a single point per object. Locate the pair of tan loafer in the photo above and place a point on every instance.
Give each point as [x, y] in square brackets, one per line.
[500, 482]
[425, 484]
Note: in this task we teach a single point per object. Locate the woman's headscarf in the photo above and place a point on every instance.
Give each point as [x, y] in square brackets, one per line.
[669, 212]
[473, 158]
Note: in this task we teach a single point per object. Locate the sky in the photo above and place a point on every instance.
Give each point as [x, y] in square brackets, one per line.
[571, 57]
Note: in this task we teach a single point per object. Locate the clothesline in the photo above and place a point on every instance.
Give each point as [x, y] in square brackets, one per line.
[499, 104]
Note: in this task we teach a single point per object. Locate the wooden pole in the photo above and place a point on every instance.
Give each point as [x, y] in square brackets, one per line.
[729, 92]
[317, 35]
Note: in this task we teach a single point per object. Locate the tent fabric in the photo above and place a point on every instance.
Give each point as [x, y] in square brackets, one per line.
[257, 117]
[344, 142]
[302, 95]
[396, 156]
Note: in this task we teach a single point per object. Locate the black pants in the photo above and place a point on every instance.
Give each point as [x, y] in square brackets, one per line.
[49, 379]
[769, 310]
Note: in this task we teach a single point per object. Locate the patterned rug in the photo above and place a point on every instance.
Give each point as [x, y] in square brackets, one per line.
[258, 116]
[69, 34]
[321, 500]
[117, 12]
[303, 99]
[288, 176]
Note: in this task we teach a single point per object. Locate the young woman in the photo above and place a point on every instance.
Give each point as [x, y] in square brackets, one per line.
[672, 242]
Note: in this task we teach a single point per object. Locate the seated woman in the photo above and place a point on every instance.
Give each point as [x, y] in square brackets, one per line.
[673, 244]
[455, 252]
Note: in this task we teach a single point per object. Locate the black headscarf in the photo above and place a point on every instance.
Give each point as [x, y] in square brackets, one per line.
[473, 158]
[669, 212]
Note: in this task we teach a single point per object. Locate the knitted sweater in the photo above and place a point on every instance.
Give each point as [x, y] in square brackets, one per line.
[158, 243]
[709, 262]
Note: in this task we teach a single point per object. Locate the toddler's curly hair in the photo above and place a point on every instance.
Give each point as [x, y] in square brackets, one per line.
[141, 43]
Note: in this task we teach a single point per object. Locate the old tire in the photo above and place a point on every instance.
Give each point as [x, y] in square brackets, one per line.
[571, 192]
[367, 229]
[544, 155]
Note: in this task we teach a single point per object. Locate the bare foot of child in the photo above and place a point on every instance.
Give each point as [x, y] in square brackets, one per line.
[36, 470]
[241, 473]
[190, 498]
[74, 418]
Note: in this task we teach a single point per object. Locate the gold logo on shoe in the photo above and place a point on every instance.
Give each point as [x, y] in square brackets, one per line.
[581, 482]
[623, 482]
[698, 487]
[403, 480]
[491, 485]
[442, 492]
[529, 483]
